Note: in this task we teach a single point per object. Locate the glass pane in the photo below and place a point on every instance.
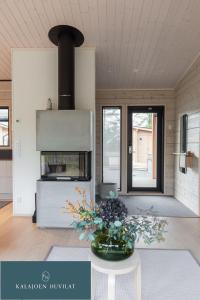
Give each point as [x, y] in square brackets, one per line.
[144, 137]
[111, 144]
[70, 165]
[4, 130]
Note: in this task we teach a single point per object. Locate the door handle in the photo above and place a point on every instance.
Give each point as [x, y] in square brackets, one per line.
[130, 150]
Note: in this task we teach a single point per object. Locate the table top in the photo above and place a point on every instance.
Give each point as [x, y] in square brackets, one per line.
[115, 267]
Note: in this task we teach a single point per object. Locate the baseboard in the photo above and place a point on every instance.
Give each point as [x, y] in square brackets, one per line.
[22, 215]
[138, 193]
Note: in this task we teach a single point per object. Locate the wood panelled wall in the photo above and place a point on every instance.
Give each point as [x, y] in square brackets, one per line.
[187, 186]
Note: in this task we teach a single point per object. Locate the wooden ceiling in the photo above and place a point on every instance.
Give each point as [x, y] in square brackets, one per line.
[139, 43]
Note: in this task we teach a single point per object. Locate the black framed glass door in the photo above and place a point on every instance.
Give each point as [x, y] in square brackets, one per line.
[145, 148]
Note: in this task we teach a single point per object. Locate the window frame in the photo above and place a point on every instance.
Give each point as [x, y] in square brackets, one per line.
[160, 109]
[9, 144]
[183, 138]
[102, 144]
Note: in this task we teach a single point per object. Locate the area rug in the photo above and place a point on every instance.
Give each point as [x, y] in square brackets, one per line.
[166, 274]
[161, 206]
[4, 203]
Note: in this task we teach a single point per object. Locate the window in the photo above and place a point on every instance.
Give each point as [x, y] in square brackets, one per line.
[111, 145]
[183, 133]
[4, 126]
[183, 143]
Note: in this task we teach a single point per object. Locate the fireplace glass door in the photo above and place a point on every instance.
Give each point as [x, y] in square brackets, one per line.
[61, 165]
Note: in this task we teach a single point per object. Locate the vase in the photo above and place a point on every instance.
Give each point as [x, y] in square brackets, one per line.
[114, 250]
[105, 188]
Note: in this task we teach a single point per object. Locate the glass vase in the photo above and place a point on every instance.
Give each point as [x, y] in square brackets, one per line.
[114, 250]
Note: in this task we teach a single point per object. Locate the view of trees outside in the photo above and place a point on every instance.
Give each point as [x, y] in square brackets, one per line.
[142, 120]
[111, 144]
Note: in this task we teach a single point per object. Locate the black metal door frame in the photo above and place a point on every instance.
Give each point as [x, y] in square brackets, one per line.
[160, 147]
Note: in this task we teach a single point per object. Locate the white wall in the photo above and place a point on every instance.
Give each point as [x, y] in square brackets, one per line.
[187, 186]
[34, 73]
[85, 92]
[85, 78]
[35, 78]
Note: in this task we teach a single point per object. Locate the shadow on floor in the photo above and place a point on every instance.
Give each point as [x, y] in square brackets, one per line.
[4, 203]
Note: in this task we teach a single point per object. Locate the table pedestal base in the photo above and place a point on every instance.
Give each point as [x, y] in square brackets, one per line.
[130, 265]
[111, 287]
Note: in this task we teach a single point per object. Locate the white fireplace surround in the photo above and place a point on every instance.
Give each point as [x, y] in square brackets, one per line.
[35, 79]
[64, 130]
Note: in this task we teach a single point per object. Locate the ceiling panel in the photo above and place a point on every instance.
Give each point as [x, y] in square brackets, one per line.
[139, 43]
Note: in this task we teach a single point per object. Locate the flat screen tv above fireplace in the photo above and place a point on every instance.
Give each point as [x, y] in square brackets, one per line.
[65, 165]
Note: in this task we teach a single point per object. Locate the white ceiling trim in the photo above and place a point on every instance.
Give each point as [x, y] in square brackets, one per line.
[187, 70]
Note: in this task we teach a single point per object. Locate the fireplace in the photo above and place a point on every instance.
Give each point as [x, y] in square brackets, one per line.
[66, 165]
[65, 139]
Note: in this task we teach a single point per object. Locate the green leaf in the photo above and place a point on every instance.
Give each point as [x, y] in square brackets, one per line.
[98, 220]
[91, 237]
[83, 223]
[82, 236]
[117, 223]
[130, 245]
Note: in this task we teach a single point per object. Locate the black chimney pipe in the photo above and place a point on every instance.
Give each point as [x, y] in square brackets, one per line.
[66, 38]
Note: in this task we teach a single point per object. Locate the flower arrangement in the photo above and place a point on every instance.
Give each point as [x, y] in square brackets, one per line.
[86, 218]
[112, 209]
[111, 234]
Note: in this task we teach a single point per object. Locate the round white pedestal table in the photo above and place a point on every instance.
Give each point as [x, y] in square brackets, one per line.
[114, 268]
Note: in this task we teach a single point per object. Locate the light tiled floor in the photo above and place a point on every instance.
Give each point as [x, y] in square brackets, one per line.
[22, 240]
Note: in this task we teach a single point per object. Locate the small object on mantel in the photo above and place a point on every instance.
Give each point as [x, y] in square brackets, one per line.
[49, 104]
[186, 159]
[182, 161]
[189, 159]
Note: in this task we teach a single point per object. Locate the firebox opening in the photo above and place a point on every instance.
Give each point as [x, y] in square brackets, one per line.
[65, 165]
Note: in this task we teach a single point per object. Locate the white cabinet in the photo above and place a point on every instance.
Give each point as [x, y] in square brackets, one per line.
[51, 200]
